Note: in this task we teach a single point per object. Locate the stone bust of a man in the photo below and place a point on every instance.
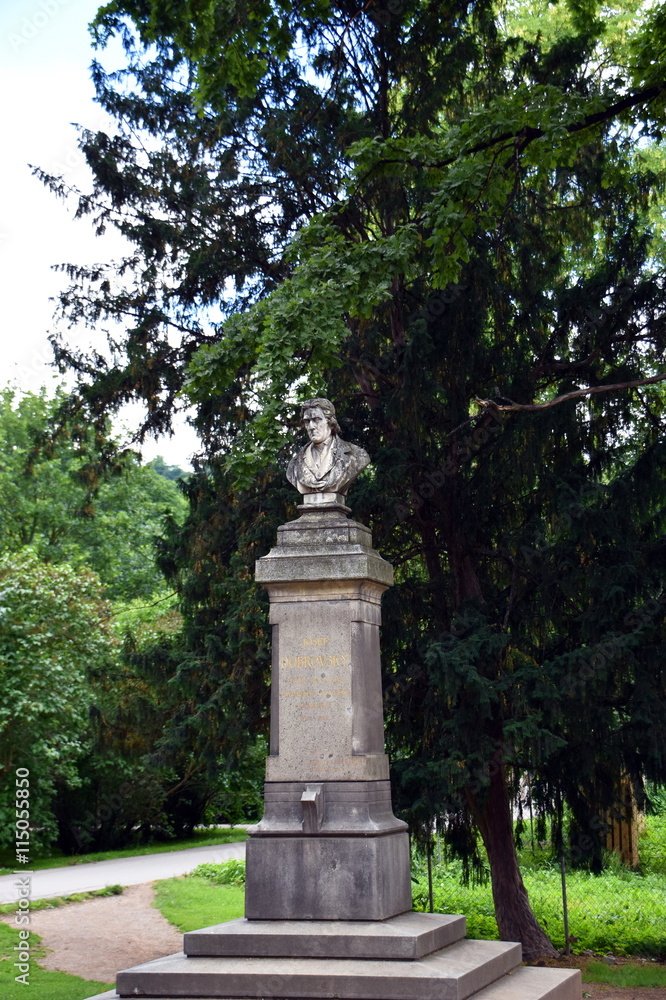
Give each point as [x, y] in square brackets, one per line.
[327, 464]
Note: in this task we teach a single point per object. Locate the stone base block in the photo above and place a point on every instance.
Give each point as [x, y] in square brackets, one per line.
[408, 937]
[327, 878]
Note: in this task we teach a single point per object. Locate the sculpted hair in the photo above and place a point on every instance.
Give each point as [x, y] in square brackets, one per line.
[326, 407]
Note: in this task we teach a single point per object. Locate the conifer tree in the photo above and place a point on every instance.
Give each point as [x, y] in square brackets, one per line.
[444, 225]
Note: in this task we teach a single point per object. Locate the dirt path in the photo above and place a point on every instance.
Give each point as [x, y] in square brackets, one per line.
[601, 992]
[98, 938]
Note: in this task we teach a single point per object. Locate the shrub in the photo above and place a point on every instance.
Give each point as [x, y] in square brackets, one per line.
[230, 872]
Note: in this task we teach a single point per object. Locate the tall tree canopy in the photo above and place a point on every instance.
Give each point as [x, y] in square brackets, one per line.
[446, 221]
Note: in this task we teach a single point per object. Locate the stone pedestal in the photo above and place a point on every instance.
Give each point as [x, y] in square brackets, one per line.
[328, 846]
[328, 883]
[416, 956]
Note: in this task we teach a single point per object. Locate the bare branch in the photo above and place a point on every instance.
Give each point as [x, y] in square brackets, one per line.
[489, 404]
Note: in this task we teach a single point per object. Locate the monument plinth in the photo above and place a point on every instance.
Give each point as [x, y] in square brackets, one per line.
[329, 846]
[328, 876]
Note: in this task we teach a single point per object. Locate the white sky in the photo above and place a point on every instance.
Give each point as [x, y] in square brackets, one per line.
[45, 55]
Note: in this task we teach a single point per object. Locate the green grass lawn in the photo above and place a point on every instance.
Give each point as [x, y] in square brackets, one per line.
[43, 984]
[625, 976]
[620, 911]
[624, 914]
[192, 902]
[202, 838]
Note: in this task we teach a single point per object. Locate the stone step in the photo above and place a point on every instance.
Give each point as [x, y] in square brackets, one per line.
[454, 973]
[521, 984]
[406, 937]
[528, 983]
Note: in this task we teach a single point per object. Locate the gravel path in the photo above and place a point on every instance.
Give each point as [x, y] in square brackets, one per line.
[99, 937]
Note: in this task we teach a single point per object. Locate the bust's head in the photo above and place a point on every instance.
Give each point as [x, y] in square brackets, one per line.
[318, 416]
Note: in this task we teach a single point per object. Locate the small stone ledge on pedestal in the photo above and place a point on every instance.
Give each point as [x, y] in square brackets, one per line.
[350, 808]
[324, 501]
[407, 937]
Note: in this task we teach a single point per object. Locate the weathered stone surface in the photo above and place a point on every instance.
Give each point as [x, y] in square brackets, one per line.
[327, 692]
[327, 463]
[406, 937]
[535, 984]
[327, 878]
[519, 984]
[328, 846]
[323, 544]
[320, 526]
[455, 973]
[354, 808]
[325, 584]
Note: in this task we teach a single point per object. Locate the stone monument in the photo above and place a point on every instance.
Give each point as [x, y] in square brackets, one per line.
[328, 900]
[329, 846]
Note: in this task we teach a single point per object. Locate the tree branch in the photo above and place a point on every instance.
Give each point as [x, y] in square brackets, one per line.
[577, 394]
[528, 133]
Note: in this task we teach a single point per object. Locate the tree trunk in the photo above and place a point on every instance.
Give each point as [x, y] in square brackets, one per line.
[516, 922]
[490, 806]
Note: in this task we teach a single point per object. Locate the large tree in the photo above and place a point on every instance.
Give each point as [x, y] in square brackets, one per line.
[442, 220]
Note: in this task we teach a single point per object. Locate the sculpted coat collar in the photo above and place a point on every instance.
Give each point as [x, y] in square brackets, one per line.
[320, 459]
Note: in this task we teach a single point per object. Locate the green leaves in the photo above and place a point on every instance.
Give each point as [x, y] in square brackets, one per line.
[287, 339]
[230, 41]
[54, 636]
[56, 502]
